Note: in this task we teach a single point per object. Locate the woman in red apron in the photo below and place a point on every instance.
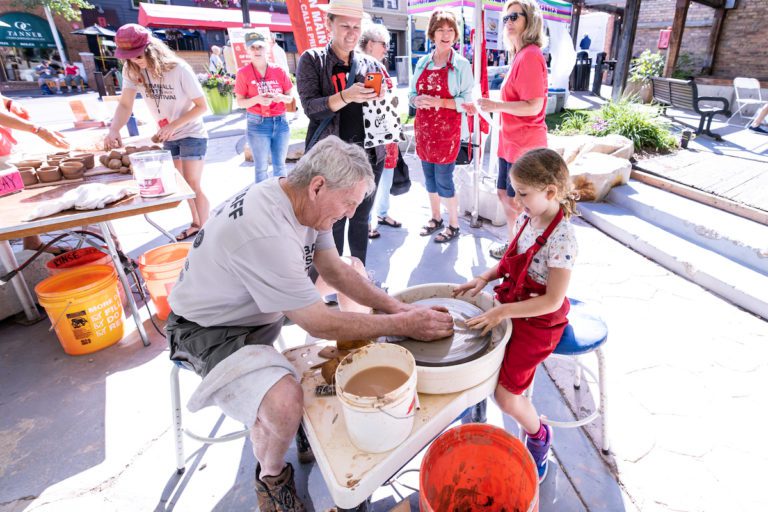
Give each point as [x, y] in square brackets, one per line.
[441, 90]
[535, 272]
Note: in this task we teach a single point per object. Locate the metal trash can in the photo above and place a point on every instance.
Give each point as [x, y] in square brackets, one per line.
[401, 68]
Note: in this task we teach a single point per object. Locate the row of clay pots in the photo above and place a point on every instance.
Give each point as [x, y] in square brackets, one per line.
[71, 170]
[87, 159]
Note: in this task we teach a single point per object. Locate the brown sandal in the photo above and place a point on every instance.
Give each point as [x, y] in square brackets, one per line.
[431, 226]
[192, 230]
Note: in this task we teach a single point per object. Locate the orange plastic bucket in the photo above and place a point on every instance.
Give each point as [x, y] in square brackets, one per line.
[478, 467]
[160, 268]
[80, 258]
[84, 307]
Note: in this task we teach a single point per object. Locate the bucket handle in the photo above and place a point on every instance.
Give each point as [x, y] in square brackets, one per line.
[416, 407]
[53, 326]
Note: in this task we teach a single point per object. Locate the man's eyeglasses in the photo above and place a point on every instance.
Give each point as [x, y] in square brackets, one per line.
[512, 17]
[382, 43]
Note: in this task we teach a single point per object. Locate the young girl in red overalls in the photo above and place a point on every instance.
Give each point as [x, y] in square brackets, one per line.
[534, 274]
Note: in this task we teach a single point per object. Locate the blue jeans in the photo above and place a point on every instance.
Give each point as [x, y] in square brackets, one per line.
[438, 178]
[265, 135]
[381, 204]
[188, 148]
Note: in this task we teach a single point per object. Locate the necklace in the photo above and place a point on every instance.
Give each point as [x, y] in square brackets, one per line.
[150, 91]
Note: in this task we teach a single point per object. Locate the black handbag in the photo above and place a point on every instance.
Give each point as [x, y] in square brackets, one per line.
[401, 180]
[466, 148]
[465, 153]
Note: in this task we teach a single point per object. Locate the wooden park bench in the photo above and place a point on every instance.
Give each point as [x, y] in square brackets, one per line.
[684, 94]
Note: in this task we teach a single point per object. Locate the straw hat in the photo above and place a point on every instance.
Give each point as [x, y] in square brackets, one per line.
[351, 8]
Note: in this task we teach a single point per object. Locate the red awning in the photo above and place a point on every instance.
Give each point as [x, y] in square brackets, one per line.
[183, 16]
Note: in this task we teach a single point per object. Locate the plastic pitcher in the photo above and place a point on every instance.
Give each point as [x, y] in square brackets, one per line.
[154, 172]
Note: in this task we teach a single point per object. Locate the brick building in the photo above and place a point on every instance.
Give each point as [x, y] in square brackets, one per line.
[740, 49]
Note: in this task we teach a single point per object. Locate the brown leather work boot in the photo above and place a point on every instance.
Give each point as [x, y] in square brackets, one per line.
[278, 493]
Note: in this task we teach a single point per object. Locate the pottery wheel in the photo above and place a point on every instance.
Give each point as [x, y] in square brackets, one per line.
[465, 344]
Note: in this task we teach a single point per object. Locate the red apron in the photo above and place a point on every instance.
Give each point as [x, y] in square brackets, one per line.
[438, 131]
[533, 339]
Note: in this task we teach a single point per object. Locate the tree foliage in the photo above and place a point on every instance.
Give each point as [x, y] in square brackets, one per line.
[68, 9]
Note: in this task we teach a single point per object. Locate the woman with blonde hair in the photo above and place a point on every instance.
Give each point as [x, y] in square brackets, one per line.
[175, 99]
[523, 99]
[441, 91]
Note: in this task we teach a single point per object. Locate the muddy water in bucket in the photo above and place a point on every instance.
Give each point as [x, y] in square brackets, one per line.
[378, 421]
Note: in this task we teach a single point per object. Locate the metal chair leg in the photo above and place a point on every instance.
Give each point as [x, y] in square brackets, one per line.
[603, 384]
[176, 413]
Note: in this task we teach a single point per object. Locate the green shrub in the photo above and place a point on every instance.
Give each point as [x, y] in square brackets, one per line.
[648, 64]
[642, 124]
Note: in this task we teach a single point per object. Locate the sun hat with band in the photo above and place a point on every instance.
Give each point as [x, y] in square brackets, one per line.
[131, 40]
[351, 8]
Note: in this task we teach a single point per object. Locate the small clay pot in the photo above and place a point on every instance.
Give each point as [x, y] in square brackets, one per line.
[73, 175]
[28, 176]
[54, 160]
[29, 163]
[87, 158]
[62, 153]
[49, 174]
[72, 163]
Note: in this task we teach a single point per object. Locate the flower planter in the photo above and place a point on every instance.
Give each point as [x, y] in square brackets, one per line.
[643, 90]
[220, 104]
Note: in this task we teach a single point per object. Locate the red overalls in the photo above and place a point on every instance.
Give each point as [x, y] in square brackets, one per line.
[533, 339]
[438, 131]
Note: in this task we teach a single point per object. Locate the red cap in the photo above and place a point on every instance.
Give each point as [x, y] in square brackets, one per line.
[131, 40]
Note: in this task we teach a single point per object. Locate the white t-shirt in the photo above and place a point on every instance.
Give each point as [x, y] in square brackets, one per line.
[559, 252]
[249, 263]
[171, 97]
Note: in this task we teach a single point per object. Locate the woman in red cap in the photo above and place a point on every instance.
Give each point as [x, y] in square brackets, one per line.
[175, 98]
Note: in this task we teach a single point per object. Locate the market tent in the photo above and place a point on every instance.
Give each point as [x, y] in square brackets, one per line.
[193, 17]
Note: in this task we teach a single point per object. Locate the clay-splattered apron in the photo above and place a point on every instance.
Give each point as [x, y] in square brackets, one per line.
[438, 131]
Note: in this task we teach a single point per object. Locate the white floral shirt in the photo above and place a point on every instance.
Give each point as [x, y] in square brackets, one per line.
[559, 252]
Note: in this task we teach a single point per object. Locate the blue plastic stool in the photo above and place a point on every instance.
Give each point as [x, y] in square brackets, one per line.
[586, 333]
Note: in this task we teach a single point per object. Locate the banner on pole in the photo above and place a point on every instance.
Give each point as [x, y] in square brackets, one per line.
[239, 38]
[553, 10]
[308, 23]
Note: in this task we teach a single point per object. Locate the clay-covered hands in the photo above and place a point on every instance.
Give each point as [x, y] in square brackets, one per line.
[164, 133]
[428, 324]
[53, 138]
[472, 287]
[112, 140]
[487, 105]
[487, 320]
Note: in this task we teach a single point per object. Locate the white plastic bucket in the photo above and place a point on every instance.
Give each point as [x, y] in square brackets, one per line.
[154, 172]
[378, 424]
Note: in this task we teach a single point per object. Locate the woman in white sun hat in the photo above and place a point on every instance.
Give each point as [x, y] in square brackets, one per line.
[332, 94]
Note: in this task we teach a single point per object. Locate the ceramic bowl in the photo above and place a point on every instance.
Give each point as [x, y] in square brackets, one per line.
[72, 164]
[49, 174]
[28, 176]
[29, 163]
[70, 174]
[87, 158]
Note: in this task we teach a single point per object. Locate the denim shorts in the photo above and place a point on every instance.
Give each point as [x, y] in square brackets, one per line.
[438, 178]
[188, 148]
[503, 182]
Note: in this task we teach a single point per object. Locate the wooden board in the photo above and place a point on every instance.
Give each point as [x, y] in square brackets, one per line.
[54, 183]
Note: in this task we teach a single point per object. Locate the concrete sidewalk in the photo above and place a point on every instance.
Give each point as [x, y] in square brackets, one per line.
[686, 387]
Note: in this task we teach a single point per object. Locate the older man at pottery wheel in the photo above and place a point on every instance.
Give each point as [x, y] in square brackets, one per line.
[253, 263]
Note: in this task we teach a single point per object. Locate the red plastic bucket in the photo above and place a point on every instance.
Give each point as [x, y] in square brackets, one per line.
[478, 467]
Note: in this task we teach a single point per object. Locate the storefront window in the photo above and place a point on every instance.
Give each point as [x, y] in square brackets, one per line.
[135, 3]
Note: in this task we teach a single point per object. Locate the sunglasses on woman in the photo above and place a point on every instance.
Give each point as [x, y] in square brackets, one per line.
[512, 17]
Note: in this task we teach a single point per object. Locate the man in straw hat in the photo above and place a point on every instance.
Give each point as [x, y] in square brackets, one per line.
[244, 275]
[333, 102]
